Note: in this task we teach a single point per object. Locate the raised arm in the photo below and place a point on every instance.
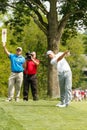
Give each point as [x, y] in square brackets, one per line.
[33, 58]
[66, 53]
[6, 51]
[35, 61]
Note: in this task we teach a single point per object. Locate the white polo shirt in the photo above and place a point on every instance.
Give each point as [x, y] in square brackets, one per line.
[62, 65]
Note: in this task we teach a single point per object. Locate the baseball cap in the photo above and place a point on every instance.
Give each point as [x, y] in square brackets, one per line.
[19, 48]
[49, 52]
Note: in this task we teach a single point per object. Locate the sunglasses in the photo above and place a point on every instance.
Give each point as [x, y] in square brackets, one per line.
[18, 50]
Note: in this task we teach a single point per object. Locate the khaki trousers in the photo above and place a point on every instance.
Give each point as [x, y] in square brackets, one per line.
[14, 84]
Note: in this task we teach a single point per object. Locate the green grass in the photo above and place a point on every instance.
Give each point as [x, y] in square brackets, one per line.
[42, 115]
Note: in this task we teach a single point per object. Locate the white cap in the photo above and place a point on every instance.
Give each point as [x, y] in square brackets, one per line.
[19, 48]
[49, 52]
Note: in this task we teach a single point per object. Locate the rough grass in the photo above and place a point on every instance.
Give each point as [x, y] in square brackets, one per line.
[42, 115]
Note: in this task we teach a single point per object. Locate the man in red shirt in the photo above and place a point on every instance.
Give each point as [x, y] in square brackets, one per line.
[30, 77]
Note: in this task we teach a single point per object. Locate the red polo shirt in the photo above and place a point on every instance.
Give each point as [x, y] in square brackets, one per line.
[31, 67]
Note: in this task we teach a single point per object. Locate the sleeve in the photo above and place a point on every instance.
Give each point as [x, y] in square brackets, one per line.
[23, 59]
[11, 55]
[54, 61]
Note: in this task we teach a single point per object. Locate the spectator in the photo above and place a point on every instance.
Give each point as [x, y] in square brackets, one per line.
[78, 95]
[16, 77]
[30, 77]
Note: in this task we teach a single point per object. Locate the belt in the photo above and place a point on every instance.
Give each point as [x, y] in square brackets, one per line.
[31, 74]
[63, 71]
[16, 71]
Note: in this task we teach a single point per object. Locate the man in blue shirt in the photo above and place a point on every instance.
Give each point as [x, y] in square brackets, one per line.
[16, 77]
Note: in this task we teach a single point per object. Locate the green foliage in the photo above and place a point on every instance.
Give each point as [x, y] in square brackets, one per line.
[85, 42]
[76, 11]
[3, 5]
[4, 71]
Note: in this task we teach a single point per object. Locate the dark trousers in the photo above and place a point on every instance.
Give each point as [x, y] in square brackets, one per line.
[30, 81]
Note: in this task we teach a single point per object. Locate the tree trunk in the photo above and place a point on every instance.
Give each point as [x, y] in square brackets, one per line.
[53, 84]
[53, 87]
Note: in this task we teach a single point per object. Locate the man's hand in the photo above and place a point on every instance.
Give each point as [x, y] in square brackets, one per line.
[67, 53]
[35, 61]
[4, 44]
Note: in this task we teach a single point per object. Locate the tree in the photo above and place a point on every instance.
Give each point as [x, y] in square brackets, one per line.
[73, 14]
[85, 42]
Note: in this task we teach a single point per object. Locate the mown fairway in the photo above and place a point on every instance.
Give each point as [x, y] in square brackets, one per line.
[42, 115]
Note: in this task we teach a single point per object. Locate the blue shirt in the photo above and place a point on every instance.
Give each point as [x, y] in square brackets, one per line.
[16, 62]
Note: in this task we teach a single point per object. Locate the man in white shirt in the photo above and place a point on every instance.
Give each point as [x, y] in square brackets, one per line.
[64, 74]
